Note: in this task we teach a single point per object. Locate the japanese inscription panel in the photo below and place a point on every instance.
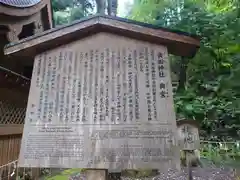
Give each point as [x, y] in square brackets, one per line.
[101, 102]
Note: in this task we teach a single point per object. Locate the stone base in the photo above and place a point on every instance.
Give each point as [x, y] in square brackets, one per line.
[95, 174]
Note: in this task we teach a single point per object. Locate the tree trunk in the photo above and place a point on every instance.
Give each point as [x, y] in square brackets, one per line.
[101, 6]
[183, 74]
[109, 8]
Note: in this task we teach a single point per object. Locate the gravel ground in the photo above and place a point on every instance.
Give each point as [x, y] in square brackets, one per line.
[198, 174]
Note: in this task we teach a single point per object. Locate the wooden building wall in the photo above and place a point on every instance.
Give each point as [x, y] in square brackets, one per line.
[9, 147]
[13, 100]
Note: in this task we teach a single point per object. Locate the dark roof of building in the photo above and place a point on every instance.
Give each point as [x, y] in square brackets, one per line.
[178, 42]
[181, 122]
[20, 3]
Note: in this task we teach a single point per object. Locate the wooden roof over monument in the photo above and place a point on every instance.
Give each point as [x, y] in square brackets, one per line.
[178, 43]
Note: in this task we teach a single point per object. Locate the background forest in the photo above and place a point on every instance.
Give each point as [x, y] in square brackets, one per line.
[209, 84]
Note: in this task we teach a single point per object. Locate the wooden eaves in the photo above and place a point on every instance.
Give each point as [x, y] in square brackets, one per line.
[189, 122]
[178, 43]
[11, 129]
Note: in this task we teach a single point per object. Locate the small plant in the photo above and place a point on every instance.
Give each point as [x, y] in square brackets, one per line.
[140, 173]
[24, 176]
[221, 153]
[69, 174]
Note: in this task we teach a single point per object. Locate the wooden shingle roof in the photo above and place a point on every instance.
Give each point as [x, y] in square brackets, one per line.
[20, 3]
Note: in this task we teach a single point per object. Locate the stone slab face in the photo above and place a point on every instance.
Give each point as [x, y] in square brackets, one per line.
[188, 137]
[103, 102]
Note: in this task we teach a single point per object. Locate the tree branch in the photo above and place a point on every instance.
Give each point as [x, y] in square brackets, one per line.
[183, 74]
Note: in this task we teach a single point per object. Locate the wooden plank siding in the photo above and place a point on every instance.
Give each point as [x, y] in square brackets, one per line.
[13, 101]
[9, 144]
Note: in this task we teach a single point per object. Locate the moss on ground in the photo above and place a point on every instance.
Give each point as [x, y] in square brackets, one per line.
[64, 175]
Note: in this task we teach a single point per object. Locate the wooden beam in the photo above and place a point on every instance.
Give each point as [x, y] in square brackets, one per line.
[11, 129]
[187, 121]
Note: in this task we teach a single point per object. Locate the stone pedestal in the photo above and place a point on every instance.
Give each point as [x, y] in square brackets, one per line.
[96, 174]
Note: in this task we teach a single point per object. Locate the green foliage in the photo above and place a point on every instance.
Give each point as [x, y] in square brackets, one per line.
[61, 17]
[66, 174]
[60, 5]
[67, 11]
[221, 154]
[211, 91]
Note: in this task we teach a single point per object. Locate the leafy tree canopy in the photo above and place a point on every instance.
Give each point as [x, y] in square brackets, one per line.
[66, 11]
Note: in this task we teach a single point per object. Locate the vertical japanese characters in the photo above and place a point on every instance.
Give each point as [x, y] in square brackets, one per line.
[100, 85]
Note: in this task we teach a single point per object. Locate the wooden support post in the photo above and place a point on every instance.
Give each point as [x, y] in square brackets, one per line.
[35, 173]
[189, 164]
[96, 174]
[114, 176]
